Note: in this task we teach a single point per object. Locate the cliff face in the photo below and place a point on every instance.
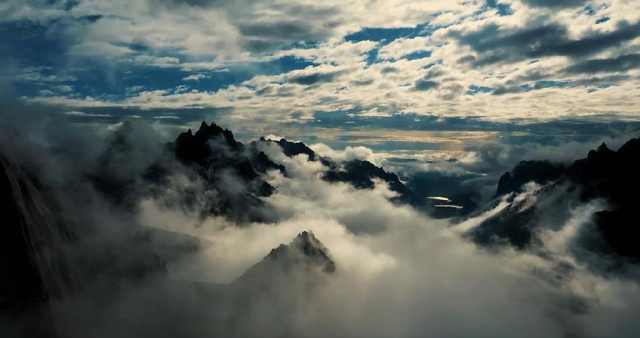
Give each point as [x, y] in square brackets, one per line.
[34, 235]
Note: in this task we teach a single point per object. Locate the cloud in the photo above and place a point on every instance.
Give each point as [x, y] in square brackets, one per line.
[424, 85]
[397, 60]
[398, 271]
[554, 4]
[195, 77]
[617, 64]
[348, 154]
[312, 79]
[498, 45]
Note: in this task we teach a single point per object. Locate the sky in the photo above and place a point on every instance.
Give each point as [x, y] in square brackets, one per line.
[426, 78]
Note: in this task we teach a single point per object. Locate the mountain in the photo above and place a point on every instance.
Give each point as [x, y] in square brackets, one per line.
[213, 149]
[615, 176]
[358, 173]
[612, 176]
[223, 165]
[540, 172]
[305, 256]
[130, 170]
[294, 148]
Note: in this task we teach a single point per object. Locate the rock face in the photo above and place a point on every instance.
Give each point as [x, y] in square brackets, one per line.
[33, 236]
[304, 256]
[604, 173]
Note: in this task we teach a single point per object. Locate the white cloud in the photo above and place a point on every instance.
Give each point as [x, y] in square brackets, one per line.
[348, 154]
[220, 34]
[195, 77]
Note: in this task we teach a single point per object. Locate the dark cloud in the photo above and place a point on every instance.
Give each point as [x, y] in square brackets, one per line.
[201, 3]
[388, 69]
[424, 85]
[311, 79]
[618, 64]
[363, 82]
[554, 3]
[433, 72]
[281, 30]
[308, 24]
[561, 128]
[495, 44]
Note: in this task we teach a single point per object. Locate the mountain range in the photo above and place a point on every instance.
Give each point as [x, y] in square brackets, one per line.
[44, 258]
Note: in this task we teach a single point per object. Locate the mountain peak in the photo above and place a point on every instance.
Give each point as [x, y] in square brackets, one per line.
[603, 147]
[307, 249]
[305, 254]
[295, 148]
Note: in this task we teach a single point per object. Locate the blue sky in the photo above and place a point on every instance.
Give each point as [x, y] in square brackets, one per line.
[382, 74]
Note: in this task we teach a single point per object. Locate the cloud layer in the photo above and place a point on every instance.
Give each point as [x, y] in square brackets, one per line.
[286, 60]
[399, 272]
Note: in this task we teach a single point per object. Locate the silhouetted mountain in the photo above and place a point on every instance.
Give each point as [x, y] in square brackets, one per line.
[361, 174]
[604, 173]
[206, 145]
[540, 172]
[214, 148]
[293, 148]
[358, 173]
[219, 160]
[212, 155]
[304, 255]
[615, 176]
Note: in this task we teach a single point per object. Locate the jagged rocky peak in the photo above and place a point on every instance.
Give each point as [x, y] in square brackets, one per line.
[304, 255]
[359, 173]
[605, 163]
[296, 148]
[190, 147]
[305, 250]
[293, 148]
[603, 147]
[213, 130]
